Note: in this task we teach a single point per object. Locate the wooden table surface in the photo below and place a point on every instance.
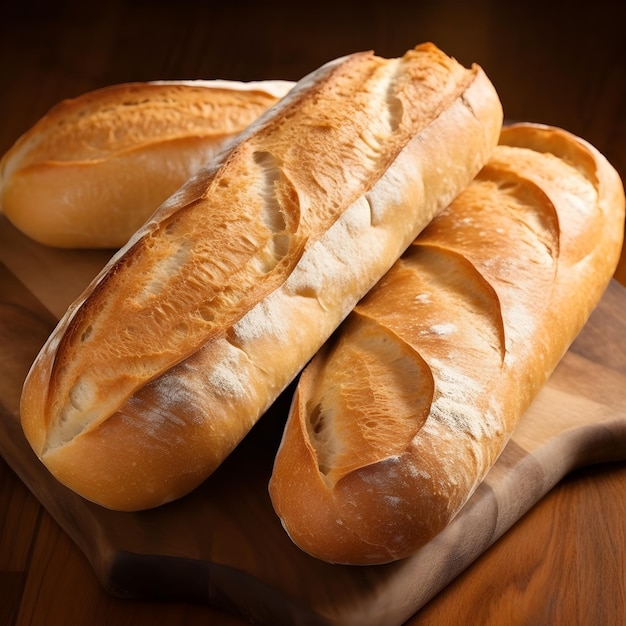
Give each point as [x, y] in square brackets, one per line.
[552, 64]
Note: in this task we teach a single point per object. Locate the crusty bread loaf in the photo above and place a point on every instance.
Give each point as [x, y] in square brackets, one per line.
[398, 419]
[94, 168]
[193, 329]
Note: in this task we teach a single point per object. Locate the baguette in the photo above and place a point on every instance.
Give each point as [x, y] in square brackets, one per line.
[93, 169]
[212, 308]
[397, 420]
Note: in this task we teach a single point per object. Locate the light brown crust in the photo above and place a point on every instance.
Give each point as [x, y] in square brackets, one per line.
[94, 168]
[396, 422]
[241, 276]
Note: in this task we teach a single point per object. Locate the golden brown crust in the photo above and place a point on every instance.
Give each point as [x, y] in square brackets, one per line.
[94, 168]
[214, 306]
[399, 419]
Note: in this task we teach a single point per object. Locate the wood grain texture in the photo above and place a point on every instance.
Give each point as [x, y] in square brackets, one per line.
[559, 63]
[561, 554]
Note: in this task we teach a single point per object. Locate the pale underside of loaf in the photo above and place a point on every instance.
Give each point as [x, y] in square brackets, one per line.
[216, 303]
[399, 418]
[93, 169]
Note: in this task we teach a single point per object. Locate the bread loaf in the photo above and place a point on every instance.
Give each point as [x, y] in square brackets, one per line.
[93, 169]
[198, 323]
[396, 421]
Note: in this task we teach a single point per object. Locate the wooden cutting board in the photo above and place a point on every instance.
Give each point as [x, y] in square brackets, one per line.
[223, 544]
